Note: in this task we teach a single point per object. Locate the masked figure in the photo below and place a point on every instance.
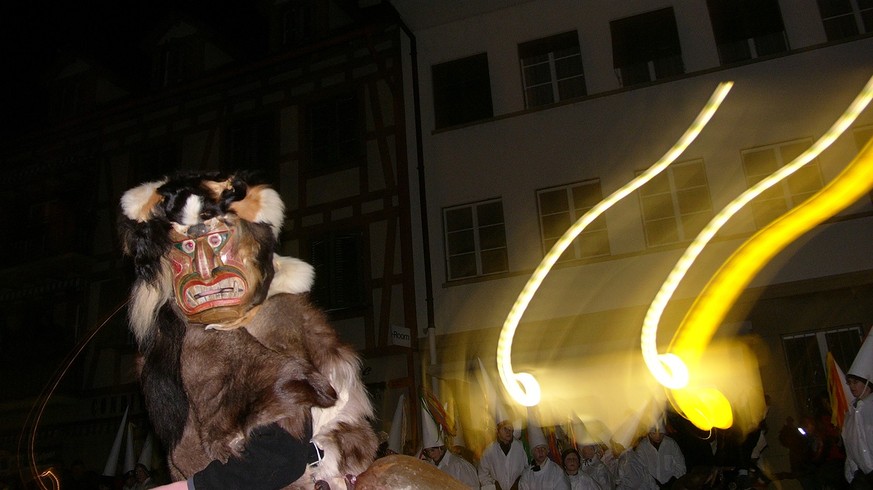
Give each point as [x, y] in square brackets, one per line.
[245, 381]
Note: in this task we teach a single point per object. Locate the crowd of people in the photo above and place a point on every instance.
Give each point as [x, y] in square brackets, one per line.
[825, 452]
[655, 460]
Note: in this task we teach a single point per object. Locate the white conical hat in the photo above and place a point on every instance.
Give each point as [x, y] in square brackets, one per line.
[146, 455]
[458, 439]
[535, 435]
[628, 431]
[430, 433]
[862, 367]
[128, 450]
[112, 461]
[492, 398]
[581, 435]
[397, 434]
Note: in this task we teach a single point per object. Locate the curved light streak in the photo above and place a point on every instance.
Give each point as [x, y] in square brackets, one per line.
[679, 378]
[706, 406]
[34, 418]
[523, 387]
[734, 275]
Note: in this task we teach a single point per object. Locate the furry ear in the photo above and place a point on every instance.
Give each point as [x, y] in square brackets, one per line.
[137, 203]
[261, 205]
[292, 276]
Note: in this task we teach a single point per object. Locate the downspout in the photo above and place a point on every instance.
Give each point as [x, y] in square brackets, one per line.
[419, 155]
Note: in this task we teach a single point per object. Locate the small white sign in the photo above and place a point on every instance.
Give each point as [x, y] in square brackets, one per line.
[400, 336]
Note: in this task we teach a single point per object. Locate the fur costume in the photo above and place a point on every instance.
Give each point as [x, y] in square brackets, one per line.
[229, 341]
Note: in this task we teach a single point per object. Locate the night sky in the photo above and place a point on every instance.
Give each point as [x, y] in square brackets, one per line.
[36, 35]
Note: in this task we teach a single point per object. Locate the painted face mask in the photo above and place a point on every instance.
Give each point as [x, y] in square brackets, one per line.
[212, 283]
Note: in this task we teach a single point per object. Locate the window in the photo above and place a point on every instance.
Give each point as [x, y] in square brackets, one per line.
[646, 47]
[676, 204]
[560, 207]
[334, 134]
[72, 96]
[759, 163]
[298, 23]
[551, 69]
[181, 60]
[747, 29]
[338, 262]
[252, 144]
[462, 91]
[846, 18]
[806, 356]
[475, 240]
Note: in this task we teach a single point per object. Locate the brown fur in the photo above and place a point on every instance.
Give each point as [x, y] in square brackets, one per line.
[286, 364]
[343, 431]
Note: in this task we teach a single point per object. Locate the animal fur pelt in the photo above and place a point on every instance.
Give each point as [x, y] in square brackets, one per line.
[263, 354]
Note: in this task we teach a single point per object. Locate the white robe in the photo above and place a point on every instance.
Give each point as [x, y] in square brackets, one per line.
[858, 438]
[665, 462]
[549, 477]
[631, 473]
[459, 468]
[597, 470]
[494, 466]
[581, 481]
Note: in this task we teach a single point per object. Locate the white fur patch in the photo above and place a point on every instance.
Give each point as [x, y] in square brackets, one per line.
[272, 210]
[292, 276]
[191, 211]
[134, 201]
[146, 299]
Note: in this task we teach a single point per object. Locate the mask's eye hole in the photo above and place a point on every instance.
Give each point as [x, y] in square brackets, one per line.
[216, 239]
[186, 246]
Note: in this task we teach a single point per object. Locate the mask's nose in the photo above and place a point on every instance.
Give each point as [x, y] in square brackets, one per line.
[204, 258]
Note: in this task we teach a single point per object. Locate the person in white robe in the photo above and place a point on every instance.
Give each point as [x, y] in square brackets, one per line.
[503, 461]
[543, 473]
[456, 466]
[579, 480]
[592, 466]
[662, 456]
[858, 425]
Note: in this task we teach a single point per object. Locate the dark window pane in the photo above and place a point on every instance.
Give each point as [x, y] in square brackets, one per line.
[831, 8]
[334, 134]
[840, 27]
[807, 370]
[490, 213]
[494, 261]
[554, 225]
[693, 200]
[736, 22]
[660, 232]
[461, 242]
[657, 185]
[338, 270]
[553, 201]
[462, 91]
[844, 345]
[658, 206]
[646, 38]
[492, 237]
[459, 219]
[541, 95]
[462, 266]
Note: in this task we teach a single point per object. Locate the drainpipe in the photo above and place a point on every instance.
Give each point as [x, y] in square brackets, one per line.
[419, 155]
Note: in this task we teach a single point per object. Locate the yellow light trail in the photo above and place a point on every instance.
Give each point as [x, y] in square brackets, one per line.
[523, 387]
[677, 375]
[723, 289]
